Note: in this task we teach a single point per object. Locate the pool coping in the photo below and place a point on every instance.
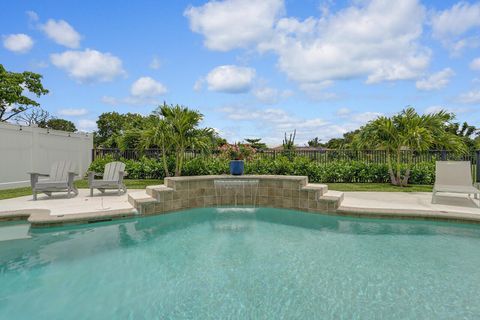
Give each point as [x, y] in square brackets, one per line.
[40, 218]
[412, 214]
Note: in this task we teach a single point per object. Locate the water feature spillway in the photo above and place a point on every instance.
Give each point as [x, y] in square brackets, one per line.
[244, 192]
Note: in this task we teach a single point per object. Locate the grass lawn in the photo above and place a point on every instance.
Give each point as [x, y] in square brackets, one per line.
[131, 184]
[383, 187]
[141, 184]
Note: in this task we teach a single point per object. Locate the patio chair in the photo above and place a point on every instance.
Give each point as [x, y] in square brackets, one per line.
[112, 178]
[454, 177]
[60, 179]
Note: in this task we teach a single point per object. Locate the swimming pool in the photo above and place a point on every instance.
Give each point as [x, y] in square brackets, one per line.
[244, 264]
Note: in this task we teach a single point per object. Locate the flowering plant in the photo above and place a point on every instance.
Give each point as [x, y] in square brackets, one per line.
[237, 151]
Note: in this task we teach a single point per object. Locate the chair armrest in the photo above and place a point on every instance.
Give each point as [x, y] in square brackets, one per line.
[34, 178]
[121, 174]
[39, 174]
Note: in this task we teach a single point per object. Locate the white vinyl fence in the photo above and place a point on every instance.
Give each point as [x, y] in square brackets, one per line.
[31, 149]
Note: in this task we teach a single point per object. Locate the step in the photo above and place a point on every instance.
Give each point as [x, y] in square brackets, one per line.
[322, 188]
[136, 198]
[333, 195]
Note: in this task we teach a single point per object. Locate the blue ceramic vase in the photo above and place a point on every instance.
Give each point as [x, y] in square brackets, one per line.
[236, 167]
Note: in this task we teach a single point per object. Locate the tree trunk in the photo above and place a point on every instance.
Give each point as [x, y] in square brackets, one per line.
[393, 180]
[399, 169]
[164, 158]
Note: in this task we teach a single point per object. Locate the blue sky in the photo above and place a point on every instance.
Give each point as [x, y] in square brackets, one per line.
[253, 68]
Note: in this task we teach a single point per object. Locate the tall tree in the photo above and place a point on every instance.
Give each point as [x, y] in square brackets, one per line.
[36, 116]
[112, 125]
[412, 132]
[315, 143]
[256, 143]
[59, 124]
[12, 88]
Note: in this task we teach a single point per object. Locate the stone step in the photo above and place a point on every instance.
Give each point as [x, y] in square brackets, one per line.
[150, 189]
[332, 195]
[141, 197]
[321, 188]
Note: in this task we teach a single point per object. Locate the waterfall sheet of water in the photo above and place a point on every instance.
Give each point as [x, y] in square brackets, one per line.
[246, 189]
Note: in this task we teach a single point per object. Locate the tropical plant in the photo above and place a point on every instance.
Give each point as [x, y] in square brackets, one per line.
[238, 151]
[289, 143]
[175, 128]
[158, 134]
[408, 131]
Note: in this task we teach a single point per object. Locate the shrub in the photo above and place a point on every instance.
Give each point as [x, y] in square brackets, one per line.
[337, 171]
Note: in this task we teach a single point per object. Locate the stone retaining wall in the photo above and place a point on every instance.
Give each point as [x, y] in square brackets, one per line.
[289, 192]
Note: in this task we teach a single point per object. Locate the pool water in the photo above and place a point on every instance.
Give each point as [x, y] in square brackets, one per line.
[244, 264]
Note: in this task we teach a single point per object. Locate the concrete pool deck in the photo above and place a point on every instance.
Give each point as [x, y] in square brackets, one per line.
[60, 210]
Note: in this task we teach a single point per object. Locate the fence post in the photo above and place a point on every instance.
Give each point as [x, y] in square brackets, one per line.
[444, 155]
[478, 167]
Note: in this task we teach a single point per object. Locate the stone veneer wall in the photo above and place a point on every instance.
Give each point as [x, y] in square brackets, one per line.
[289, 192]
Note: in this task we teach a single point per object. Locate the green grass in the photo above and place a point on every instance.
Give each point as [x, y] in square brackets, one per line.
[13, 193]
[130, 183]
[381, 187]
[142, 184]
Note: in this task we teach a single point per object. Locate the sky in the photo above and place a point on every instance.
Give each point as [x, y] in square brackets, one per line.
[252, 68]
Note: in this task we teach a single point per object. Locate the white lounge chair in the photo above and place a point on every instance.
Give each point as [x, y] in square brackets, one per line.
[60, 179]
[112, 178]
[454, 177]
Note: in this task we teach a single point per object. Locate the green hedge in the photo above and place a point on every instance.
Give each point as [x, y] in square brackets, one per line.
[339, 171]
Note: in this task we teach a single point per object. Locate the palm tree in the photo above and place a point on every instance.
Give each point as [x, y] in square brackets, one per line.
[157, 134]
[175, 128]
[408, 131]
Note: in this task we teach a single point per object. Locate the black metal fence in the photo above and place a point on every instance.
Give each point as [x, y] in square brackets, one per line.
[320, 156]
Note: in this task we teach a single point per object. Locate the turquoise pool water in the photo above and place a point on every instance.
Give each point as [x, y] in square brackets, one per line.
[266, 264]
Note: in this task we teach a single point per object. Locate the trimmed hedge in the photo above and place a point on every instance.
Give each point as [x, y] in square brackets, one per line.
[339, 171]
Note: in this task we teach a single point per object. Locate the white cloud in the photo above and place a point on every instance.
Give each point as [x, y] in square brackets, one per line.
[472, 97]
[435, 109]
[269, 95]
[62, 33]
[364, 117]
[374, 39]
[233, 24]
[143, 92]
[88, 65]
[272, 123]
[198, 86]
[155, 64]
[377, 39]
[73, 112]
[146, 87]
[435, 81]
[475, 64]
[32, 15]
[343, 112]
[316, 90]
[358, 118]
[86, 125]
[451, 25]
[230, 79]
[19, 43]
